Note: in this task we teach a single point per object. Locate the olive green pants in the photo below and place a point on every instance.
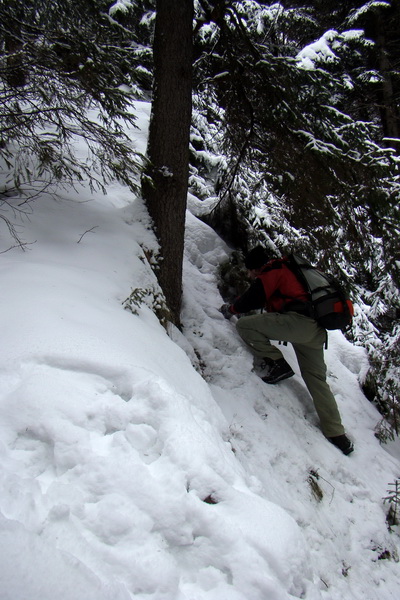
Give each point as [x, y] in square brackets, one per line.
[308, 340]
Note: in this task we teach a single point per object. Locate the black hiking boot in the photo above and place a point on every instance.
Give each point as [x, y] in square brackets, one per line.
[343, 443]
[279, 370]
[262, 366]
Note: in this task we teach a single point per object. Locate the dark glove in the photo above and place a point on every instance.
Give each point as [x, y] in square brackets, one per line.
[226, 311]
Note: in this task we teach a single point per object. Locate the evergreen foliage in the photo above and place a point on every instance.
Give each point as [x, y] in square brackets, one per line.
[295, 96]
[58, 60]
[393, 498]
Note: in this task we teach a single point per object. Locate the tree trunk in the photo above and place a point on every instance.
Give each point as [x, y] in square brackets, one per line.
[165, 181]
[382, 28]
[13, 45]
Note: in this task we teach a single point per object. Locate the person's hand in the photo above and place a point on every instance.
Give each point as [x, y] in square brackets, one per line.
[225, 310]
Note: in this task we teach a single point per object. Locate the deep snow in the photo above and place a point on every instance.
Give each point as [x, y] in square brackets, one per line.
[137, 464]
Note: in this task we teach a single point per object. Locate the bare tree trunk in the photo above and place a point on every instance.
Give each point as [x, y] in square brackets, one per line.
[13, 45]
[165, 181]
[383, 29]
[390, 118]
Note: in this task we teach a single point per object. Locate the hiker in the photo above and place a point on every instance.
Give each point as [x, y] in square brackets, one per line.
[277, 289]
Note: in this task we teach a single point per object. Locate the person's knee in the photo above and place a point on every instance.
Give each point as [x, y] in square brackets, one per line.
[241, 327]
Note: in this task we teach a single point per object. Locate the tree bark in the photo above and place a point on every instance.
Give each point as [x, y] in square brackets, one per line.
[13, 45]
[165, 181]
[382, 28]
[390, 119]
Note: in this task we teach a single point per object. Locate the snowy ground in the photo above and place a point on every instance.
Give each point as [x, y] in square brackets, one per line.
[125, 473]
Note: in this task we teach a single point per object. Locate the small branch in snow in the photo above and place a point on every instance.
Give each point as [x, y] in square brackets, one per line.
[85, 232]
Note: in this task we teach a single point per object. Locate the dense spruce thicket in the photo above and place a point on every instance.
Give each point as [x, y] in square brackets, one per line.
[303, 101]
[58, 60]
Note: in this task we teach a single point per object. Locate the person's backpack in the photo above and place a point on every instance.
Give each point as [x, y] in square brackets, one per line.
[329, 304]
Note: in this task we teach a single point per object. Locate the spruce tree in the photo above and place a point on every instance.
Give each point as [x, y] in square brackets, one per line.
[58, 60]
[165, 181]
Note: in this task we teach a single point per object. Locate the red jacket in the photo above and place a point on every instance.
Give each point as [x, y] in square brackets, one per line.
[275, 289]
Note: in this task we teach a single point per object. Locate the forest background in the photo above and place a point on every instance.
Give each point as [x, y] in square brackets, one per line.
[284, 118]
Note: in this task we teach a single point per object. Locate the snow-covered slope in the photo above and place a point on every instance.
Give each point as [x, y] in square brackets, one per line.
[136, 464]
